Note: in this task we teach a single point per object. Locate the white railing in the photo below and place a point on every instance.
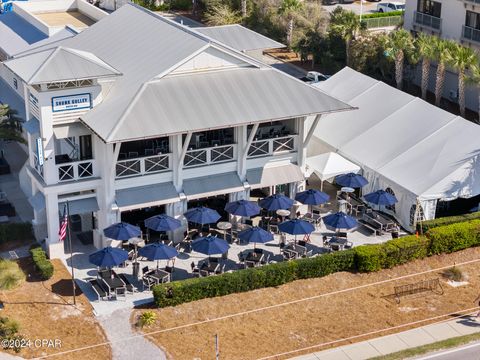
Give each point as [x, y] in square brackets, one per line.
[212, 155]
[37, 166]
[142, 166]
[77, 170]
[268, 147]
[430, 21]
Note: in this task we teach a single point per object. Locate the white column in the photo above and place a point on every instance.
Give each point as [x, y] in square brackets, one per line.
[301, 149]
[241, 148]
[176, 210]
[53, 246]
[50, 173]
[176, 147]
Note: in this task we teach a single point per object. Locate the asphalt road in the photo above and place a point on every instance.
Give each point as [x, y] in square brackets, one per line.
[467, 352]
[368, 7]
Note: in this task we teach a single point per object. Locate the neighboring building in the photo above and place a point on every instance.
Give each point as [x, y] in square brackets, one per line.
[139, 112]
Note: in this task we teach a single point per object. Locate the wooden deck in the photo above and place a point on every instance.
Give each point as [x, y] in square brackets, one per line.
[73, 18]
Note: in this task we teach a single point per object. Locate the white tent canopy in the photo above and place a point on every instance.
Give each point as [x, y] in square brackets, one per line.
[328, 165]
[424, 154]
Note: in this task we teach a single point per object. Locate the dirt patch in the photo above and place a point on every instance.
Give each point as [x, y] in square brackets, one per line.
[329, 317]
[44, 311]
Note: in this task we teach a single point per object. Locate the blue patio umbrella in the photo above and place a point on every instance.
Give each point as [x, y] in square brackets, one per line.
[312, 197]
[255, 234]
[242, 208]
[340, 222]
[296, 227]
[210, 245]
[202, 215]
[108, 257]
[158, 251]
[381, 197]
[162, 223]
[122, 231]
[351, 180]
[276, 202]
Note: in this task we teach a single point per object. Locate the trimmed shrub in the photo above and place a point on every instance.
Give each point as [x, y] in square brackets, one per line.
[430, 224]
[42, 264]
[10, 275]
[382, 14]
[454, 237]
[15, 231]
[370, 257]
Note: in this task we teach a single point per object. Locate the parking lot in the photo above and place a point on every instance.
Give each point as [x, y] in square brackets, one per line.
[368, 7]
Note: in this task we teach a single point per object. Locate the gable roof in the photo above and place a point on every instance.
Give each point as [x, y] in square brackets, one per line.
[59, 64]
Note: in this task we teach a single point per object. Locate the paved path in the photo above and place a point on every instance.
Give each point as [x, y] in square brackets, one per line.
[404, 340]
[117, 327]
[467, 352]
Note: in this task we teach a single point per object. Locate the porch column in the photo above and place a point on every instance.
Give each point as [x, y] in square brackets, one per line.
[53, 246]
[301, 146]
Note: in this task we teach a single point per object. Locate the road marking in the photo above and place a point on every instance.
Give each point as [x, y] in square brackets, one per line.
[446, 352]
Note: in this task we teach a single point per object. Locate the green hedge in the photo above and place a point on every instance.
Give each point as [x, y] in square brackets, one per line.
[42, 264]
[430, 224]
[15, 231]
[454, 237]
[383, 14]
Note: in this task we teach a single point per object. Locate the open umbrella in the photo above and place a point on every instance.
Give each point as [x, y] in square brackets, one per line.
[276, 202]
[381, 197]
[210, 245]
[351, 180]
[158, 251]
[242, 208]
[122, 231]
[162, 223]
[108, 257]
[312, 197]
[202, 215]
[255, 235]
[340, 222]
[296, 227]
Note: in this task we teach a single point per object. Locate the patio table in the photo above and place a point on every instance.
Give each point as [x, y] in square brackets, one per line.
[299, 249]
[159, 275]
[254, 257]
[386, 224]
[224, 226]
[211, 267]
[340, 242]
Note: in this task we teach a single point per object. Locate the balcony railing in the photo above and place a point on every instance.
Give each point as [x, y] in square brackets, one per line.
[37, 166]
[470, 33]
[475, 2]
[430, 21]
[207, 156]
[142, 166]
[273, 146]
[75, 170]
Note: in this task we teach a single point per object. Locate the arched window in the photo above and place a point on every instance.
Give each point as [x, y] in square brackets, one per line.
[420, 214]
[391, 207]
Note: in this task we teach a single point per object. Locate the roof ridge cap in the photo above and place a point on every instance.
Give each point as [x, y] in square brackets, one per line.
[47, 60]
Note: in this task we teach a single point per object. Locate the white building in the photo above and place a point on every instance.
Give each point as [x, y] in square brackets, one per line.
[138, 111]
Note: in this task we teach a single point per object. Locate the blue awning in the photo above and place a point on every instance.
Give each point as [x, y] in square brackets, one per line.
[32, 126]
[80, 206]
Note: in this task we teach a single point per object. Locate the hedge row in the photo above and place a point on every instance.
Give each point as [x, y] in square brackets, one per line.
[430, 224]
[42, 264]
[15, 231]
[382, 14]
[367, 258]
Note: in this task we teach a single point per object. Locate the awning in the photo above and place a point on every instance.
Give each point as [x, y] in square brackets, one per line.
[80, 206]
[32, 126]
[329, 165]
[73, 129]
[275, 175]
[212, 185]
[146, 196]
[37, 201]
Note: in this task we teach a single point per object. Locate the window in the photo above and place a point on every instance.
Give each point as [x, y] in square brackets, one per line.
[472, 19]
[391, 207]
[420, 214]
[15, 83]
[430, 7]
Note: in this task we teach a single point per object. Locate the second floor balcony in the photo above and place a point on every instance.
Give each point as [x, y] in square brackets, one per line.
[429, 21]
[272, 146]
[471, 34]
[74, 159]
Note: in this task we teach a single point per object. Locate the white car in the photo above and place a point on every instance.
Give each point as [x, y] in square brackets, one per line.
[390, 6]
[314, 77]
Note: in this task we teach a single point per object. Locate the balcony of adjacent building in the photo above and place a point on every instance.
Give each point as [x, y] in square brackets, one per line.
[471, 29]
[273, 138]
[74, 158]
[143, 157]
[428, 15]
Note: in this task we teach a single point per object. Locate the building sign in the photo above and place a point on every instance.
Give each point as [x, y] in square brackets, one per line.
[40, 151]
[72, 102]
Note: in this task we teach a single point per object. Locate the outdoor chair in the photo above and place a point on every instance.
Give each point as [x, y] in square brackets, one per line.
[128, 285]
[302, 243]
[204, 273]
[104, 274]
[99, 291]
[121, 293]
[169, 269]
[148, 282]
[348, 245]
[308, 254]
[146, 270]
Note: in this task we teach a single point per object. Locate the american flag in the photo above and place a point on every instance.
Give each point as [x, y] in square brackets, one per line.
[62, 233]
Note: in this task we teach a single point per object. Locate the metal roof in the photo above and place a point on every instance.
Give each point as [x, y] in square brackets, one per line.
[239, 37]
[59, 64]
[12, 99]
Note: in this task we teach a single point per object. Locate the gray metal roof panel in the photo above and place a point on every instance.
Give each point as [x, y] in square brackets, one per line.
[16, 34]
[211, 186]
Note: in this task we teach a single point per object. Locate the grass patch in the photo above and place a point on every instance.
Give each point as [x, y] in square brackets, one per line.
[421, 350]
[11, 275]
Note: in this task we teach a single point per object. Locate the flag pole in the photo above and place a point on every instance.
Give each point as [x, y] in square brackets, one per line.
[71, 253]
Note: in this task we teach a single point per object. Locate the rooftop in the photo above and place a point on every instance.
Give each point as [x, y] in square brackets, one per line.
[66, 18]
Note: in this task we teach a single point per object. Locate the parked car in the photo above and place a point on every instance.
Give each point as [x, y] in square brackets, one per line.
[314, 77]
[390, 6]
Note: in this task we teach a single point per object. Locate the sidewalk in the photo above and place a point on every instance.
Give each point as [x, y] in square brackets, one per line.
[396, 342]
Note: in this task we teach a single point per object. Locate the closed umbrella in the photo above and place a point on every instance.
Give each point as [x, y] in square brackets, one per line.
[242, 208]
[202, 215]
[158, 251]
[296, 227]
[122, 231]
[340, 222]
[276, 202]
[351, 180]
[381, 197]
[108, 257]
[255, 235]
[210, 245]
[162, 223]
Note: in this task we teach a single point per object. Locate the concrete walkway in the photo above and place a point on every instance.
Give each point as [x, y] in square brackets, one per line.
[404, 340]
[117, 328]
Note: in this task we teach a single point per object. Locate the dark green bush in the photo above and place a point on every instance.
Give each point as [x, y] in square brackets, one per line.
[430, 224]
[454, 237]
[384, 14]
[42, 264]
[15, 232]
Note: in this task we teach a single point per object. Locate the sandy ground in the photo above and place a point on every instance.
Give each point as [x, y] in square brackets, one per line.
[328, 317]
[43, 311]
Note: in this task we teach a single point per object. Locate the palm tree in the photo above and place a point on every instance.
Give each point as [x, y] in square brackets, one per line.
[345, 24]
[10, 128]
[462, 59]
[442, 55]
[474, 79]
[244, 8]
[426, 51]
[398, 45]
[289, 9]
